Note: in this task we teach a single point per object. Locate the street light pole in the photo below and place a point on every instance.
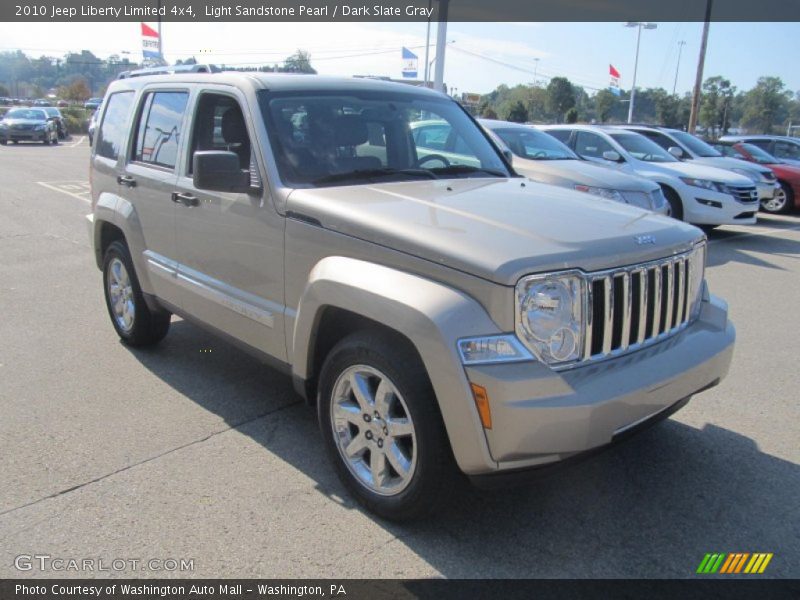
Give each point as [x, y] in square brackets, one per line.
[639, 26]
[428, 43]
[535, 71]
[681, 44]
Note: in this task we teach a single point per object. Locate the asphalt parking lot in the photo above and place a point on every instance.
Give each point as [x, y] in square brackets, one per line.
[196, 451]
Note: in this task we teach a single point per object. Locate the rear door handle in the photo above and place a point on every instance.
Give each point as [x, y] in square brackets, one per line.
[185, 199]
[126, 180]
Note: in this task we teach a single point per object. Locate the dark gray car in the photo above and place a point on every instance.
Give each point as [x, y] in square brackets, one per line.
[27, 125]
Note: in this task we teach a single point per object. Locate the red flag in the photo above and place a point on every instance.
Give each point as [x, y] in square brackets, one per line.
[613, 72]
[148, 31]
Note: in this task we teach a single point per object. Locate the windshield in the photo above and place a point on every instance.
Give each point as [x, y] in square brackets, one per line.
[345, 137]
[695, 145]
[759, 155]
[26, 113]
[533, 144]
[642, 148]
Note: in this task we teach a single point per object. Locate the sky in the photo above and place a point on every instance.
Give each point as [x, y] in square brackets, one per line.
[479, 56]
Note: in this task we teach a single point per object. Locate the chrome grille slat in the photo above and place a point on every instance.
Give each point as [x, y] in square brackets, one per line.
[681, 264]
[630, 307]
[670, 297]
[642, 333]
[627, 303]
[656, 300]
[608, 313]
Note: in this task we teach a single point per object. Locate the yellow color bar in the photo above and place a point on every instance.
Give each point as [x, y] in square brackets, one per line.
[765, 563]
[753, 560]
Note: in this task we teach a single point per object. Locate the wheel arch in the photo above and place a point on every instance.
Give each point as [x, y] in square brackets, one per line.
[344, 294]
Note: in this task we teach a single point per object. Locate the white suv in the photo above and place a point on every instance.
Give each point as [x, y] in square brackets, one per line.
[697, 193]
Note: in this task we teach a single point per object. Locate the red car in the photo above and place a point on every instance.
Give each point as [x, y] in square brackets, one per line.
[788, 175]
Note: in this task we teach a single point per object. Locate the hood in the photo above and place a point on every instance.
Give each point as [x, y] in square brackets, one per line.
[581, 172]
[725, 162]
[497, 229]
[697, 171]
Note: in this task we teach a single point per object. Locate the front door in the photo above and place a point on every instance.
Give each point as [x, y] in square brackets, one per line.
[230, 245]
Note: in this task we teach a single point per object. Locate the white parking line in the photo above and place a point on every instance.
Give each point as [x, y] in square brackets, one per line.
[79, 142]
[63, 191]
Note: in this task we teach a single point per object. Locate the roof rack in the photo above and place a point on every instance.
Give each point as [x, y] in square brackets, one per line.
[170, 70]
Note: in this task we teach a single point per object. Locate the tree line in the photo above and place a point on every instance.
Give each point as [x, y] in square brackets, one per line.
[77, 76]
[768, 107]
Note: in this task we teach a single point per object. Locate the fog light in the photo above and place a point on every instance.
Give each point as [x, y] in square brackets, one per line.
[712, 203]
[481, 398]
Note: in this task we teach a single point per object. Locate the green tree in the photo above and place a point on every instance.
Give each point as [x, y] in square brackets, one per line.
[299, 62]
[4, 91]
[604, 102]
[765, 105]
[667, 109]
[560, 97]
[488, 113]
[571, 116]
[515, 112]
[716, 104]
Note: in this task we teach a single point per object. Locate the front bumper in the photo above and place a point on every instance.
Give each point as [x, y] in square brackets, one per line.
[24, 136]
[541, 416]
[766, 191]
[714, 208]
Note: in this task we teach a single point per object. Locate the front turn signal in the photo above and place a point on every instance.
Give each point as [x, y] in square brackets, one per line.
[481, 398]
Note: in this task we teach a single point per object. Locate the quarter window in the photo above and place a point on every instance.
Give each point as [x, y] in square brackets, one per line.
[159, 130]
[113, 129]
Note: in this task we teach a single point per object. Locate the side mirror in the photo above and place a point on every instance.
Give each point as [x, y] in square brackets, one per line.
[218, 171]
[675, 151]
[612, 155]
[509, 155]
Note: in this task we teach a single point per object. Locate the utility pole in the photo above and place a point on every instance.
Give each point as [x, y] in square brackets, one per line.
[441, 45]
[681, 44]
[428, 43]
[701, 61]
[160, 47]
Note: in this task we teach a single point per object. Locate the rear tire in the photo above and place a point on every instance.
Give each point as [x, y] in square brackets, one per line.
[393, 423]
[675, 204]
[133, 320]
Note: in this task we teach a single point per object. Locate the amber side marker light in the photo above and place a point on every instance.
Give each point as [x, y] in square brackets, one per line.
[481, 398]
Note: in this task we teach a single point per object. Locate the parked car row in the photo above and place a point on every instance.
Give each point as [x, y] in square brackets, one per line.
[704, 184]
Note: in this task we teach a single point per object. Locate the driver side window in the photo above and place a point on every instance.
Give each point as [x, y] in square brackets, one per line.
[591, 145]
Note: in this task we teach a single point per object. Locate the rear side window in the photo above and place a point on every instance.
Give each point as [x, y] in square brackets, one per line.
[562, 135]
[112, 132]
[589, 144]
[159, 129]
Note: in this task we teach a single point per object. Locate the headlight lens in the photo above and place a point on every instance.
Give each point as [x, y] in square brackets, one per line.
[751, 175]
[658, 199]
[602, 192]
[492, 349]
[697, 266]
[549, 316]
[41, 127]
[706, 184]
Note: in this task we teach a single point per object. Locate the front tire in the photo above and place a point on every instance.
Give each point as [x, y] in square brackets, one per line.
[675, 204]
[781, 202]
[382, 427]
[133, 320]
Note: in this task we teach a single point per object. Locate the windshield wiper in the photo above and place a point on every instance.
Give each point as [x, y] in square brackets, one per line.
[465, 169]
[371, 173]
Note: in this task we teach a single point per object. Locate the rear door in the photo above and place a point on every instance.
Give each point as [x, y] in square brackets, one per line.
[150, 177]
[230, 245]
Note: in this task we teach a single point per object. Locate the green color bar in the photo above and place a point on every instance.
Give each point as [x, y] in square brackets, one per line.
[701, 568]
[718, 564]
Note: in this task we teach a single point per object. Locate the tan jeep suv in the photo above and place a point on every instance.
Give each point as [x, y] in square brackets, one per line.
[444, 315]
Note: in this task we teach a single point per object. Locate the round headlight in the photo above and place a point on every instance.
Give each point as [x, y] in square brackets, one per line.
[549, 320]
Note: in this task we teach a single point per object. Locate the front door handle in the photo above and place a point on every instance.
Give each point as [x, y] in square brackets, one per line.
[126, 180]
[185, 199]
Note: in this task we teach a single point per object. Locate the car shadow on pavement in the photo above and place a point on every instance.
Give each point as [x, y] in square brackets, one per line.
[650, 507]
[751, 249]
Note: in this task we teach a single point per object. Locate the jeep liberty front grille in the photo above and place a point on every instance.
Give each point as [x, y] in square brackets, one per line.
[630, 307]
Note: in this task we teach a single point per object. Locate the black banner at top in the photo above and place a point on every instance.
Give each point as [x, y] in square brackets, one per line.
[397, 10]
